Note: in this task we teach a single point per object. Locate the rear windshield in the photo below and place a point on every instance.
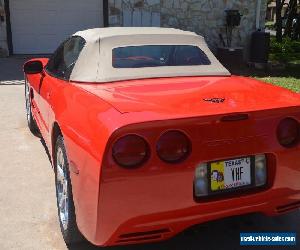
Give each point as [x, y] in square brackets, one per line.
[158, 55]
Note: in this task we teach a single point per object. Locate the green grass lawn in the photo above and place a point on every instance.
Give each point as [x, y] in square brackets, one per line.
[288, 78]
[291, 83]
[287, 54]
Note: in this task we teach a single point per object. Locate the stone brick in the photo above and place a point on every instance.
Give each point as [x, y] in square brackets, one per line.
[167, 4]
[207, 17]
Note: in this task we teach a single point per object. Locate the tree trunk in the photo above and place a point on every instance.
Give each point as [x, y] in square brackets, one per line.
[279, 6]
[292, 12]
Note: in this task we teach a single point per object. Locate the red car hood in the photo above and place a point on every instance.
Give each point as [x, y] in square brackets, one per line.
[193, 96]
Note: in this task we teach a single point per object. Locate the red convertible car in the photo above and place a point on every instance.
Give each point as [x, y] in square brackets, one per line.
[149, 135]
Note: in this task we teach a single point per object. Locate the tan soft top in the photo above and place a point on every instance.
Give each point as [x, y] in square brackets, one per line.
[95, 61]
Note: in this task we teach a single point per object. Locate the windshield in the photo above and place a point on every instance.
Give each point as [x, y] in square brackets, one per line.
[158, 55]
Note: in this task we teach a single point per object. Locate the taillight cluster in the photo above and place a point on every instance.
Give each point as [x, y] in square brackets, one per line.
[132, 151]
[173, 147]
[288, 133]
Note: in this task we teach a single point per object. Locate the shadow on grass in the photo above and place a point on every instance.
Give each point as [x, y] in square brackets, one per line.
[291, 71]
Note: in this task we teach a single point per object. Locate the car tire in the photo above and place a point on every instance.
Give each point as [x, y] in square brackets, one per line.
[64, 196]
[28, 105]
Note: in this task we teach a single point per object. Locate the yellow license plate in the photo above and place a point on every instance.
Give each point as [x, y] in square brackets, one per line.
[230, 174]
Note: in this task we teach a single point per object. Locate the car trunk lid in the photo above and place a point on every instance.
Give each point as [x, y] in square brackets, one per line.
[193, 96]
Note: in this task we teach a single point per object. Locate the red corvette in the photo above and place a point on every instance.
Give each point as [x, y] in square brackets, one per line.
[149, 134]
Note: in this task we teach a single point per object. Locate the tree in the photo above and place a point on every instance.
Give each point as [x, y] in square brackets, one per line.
[291, 28]
[291, 14]
[279, 6]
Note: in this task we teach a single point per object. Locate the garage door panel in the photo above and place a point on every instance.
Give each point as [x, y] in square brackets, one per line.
[29, 5]
[26, 44]
[80, 18]
[25, 21]
[23, 18]
[68, 5]
[39, 26]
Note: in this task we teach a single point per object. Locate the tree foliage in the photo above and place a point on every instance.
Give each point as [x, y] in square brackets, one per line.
[288, 19]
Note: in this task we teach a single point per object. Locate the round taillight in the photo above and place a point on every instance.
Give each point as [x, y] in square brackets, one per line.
[173, 147]
[288, 132]
[130, 151]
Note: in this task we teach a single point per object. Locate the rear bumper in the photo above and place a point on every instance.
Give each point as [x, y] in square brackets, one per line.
[166, 224]
[159, 206]
[177, 225]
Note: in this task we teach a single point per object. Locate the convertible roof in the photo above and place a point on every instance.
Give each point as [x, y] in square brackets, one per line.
[92, 35]
[95, 61]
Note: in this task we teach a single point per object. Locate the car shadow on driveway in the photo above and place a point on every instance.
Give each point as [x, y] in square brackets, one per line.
[11, 69]
[46, 149]
[218, 235]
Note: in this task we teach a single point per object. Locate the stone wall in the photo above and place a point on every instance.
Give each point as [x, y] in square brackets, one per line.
[3, 41]
[135, 13]
[205, 17]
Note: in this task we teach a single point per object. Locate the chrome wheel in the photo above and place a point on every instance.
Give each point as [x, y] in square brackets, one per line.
[30, 120]
[62, 188]
[27, 101]
[64, 195]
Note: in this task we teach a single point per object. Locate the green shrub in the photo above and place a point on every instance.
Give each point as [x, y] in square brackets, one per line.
[286, 46]
[286, 51]
[296, 46]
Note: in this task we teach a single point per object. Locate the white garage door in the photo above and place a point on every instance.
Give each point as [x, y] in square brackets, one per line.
[39, 26]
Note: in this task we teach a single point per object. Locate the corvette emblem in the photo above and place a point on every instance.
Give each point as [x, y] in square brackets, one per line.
[214, 100]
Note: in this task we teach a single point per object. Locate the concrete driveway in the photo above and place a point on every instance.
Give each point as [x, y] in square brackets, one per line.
[28, 216]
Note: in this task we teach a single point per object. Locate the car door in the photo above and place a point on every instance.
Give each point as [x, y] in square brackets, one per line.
[58, 71]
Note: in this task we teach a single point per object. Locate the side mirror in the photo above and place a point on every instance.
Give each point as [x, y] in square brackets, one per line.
[33, 67]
